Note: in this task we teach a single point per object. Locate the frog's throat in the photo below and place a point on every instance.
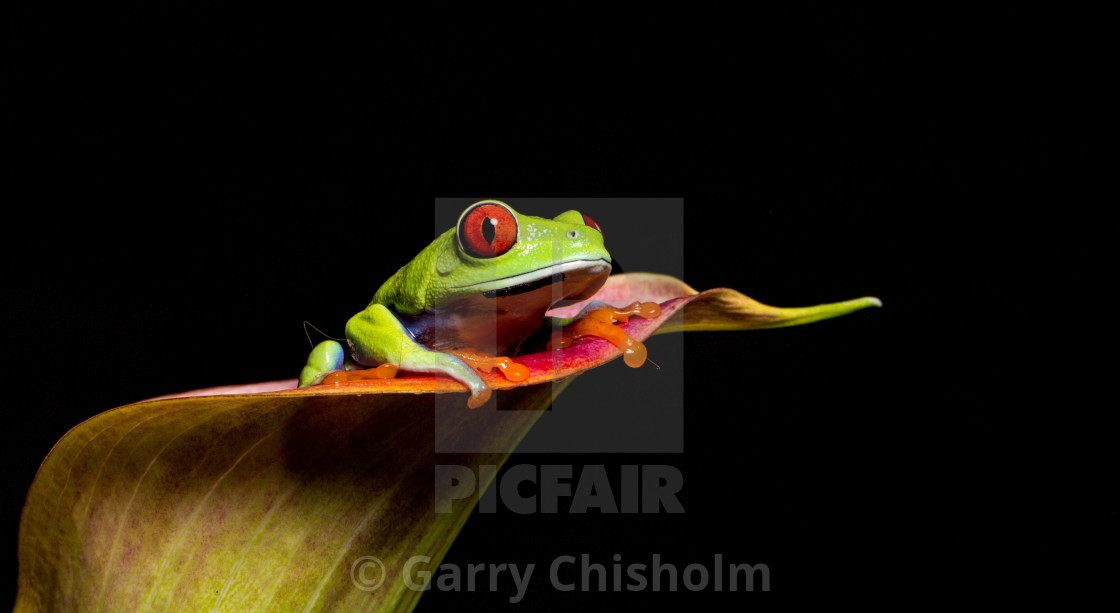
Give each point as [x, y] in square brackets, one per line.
[591, 267]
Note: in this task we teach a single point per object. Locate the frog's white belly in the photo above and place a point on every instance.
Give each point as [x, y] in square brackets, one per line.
[506, 311]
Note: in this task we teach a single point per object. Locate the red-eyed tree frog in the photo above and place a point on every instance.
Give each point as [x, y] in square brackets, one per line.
[477, 291]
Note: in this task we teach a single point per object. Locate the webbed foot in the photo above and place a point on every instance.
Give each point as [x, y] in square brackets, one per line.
[599, 321]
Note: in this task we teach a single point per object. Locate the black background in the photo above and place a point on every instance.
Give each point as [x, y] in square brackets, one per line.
[190, 185]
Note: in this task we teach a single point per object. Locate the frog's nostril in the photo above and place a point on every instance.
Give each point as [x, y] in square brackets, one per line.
[571, 233]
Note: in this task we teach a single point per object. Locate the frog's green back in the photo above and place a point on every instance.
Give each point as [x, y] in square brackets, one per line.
[415, 286]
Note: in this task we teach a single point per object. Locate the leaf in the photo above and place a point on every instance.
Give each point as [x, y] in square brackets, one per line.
[231, 501]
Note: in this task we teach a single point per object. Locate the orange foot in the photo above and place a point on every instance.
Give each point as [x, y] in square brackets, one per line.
[338, 377]
[600, 322]
[487, 363]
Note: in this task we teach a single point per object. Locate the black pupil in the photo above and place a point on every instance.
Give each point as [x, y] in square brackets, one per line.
[488, 230]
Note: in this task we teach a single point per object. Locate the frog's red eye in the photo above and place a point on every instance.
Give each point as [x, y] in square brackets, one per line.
[487, 230]
[591, 222]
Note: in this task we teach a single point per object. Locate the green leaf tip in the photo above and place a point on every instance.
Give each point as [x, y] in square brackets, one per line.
[727, 309]
[797, 316]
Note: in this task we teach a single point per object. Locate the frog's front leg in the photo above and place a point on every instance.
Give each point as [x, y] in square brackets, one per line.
[377, 337]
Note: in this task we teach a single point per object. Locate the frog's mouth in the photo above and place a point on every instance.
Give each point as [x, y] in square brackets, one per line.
[541, 277]
[525, 287]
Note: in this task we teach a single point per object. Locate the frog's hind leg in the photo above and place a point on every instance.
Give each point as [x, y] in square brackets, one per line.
[326, 357]
[377, 337]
